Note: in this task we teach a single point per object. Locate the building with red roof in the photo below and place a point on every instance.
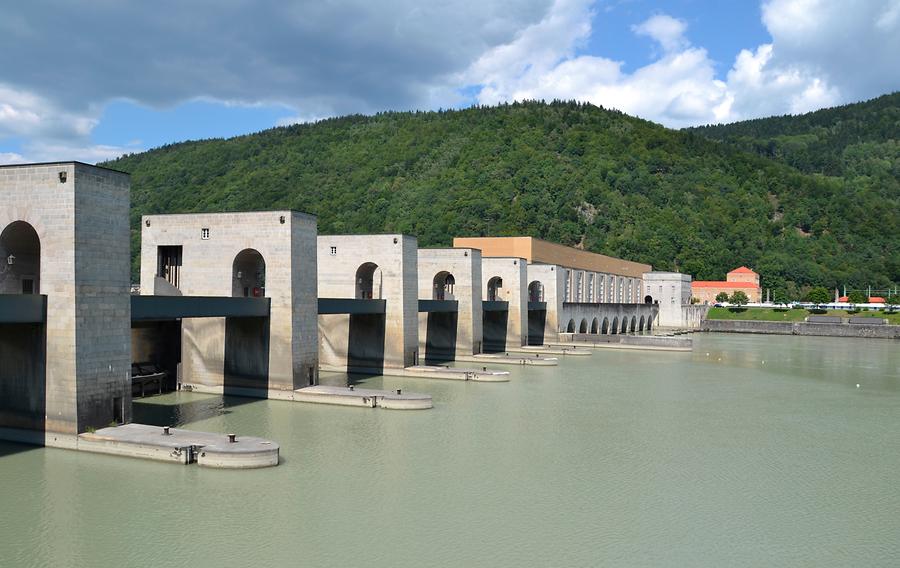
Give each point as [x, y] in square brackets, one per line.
[741, 278]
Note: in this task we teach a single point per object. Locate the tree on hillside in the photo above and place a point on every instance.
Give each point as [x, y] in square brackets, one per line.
[818, 295]
[739, 298]
[779, 296]
[722, 297]
[857, 297]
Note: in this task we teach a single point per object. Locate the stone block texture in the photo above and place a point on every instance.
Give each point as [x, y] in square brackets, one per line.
[390, 266]
[80, 215]
[214, 252]
[465, 267]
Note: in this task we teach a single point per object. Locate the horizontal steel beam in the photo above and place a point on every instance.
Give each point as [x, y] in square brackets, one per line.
[488, 306]
[351, 306]
[537, 306]
[150, 308]
[23, 308]
[432, 306]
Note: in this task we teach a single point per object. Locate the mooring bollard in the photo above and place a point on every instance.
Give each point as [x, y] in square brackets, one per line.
[166, 431]
[398, 391]
[232, 438]
[351, 387]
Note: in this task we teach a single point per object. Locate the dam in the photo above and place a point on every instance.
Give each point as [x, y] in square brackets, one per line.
[259, 305]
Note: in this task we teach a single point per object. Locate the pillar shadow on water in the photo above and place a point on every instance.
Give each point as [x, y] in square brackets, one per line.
[440, 337]
[536, 321]
[150, 411]
[246, 354]
[365, 343]
[23, 380]
[494, 331]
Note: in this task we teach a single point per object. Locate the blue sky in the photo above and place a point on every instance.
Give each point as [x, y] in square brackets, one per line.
[140, 76]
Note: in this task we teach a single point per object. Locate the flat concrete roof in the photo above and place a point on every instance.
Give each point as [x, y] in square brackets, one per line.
[60, 163]
[537, 251]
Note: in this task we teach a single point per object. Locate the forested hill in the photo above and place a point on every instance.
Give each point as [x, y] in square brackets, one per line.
[833, 141]
[566, 172]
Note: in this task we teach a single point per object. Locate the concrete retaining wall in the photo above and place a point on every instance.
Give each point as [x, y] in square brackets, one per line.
[802, 328]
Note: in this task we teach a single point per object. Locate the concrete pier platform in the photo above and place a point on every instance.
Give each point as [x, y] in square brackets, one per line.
[554, 349]
[371, 398]
[509, 358]
[640, 342]
[181, 446]
[451, 373]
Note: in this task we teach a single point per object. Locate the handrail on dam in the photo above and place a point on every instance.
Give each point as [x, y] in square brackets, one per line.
[351, 306]
[434, 306]
[494, 306]
[158, 308]
[23, 308]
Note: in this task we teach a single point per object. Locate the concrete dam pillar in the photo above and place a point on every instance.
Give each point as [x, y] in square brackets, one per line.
[367, 271]
[64, 236]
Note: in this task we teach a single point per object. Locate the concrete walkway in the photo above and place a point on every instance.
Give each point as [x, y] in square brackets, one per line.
[553, 349]
[352, 396]
[452, 373]
[509, 358]
[181, 446]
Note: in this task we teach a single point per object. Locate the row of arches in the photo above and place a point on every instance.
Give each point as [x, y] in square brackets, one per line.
[607, 327]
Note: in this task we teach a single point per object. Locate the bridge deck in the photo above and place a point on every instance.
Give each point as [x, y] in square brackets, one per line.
[23, 308]
[351, 306]
[158, 308]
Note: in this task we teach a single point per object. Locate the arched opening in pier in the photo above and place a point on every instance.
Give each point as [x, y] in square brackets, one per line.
[641, 324]
[247, 339]
[615, 326]
[624, 328]
[633, 326]
[493, 289]
[20, 259]
[649, 322]
[368, 282]
[442, 288]
[535, 292]
[571, 327]
[583, 327]
[648, 299]
[604, 328]
[248, 275]
[594, 326]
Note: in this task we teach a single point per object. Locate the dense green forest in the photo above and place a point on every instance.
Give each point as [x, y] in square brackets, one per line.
[567, 172]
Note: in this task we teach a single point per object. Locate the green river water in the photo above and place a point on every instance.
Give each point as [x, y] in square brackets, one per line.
[750, 451]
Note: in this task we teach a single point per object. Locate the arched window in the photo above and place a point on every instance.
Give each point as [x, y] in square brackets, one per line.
[583, 327]
[442, 288]
[594, 326]
[368, 282]
[641, 324]
[615, 326]
[624, 325]
[493, 289]
[571, 327]
[604, 329]
[535, 291]
[20, 259]
[633, 324]
[248, 275]
[648, 299]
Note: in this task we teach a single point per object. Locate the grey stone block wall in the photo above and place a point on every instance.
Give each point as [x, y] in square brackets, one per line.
[396, 259]
[465, 266]
[82, 225]
[286, 242]
[514, 272]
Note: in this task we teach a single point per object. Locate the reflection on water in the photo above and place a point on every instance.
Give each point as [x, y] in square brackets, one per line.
[750, 451]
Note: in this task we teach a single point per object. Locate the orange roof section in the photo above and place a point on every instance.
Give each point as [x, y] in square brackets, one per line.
[721, 284]
[742, 270]
[544, 252]
[872, 299]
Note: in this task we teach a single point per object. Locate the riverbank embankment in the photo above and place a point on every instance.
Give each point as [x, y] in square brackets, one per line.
[802, 328]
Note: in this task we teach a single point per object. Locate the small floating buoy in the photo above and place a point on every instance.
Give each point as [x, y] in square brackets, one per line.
[857, 385]
[764, 362]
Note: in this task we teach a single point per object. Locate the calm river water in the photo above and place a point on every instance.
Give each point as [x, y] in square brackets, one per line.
[750, 451]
